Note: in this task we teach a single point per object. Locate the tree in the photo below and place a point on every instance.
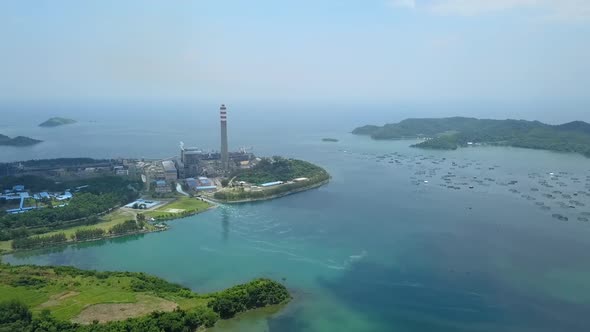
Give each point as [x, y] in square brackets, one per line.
[14, 316]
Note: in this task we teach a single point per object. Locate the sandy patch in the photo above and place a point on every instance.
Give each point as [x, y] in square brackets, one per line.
[175, 210]
[108, 312]
[56, 299]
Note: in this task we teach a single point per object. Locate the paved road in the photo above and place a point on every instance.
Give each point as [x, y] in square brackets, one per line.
[179, 189]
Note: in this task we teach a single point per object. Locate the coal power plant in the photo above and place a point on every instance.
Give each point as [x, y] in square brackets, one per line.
[196, 162]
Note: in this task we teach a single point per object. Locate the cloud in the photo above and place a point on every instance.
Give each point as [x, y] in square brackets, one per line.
[402, 3]
[570, 10]
[564, 10]
[476, 7]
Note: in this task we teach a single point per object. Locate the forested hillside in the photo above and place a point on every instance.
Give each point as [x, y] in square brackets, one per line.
[451, 133]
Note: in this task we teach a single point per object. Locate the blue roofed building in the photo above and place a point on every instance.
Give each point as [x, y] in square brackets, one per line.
[191, 183]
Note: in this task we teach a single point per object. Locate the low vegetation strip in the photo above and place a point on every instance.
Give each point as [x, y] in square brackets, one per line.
[65, 299]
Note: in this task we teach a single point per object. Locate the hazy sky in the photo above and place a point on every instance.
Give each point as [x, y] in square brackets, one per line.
[344, 50]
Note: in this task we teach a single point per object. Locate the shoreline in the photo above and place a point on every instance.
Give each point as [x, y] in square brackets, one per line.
[214, 204]
[268, 198]
[139, 232]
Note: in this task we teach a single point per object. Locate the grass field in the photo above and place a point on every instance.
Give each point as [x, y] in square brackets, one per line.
[178, 207]
[5, 245]
[86, 298]
[109, 220]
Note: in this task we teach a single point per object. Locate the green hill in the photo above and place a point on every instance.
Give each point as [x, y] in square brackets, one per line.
[451, 133]
[56, 122]
[66, 299]
[18, 141]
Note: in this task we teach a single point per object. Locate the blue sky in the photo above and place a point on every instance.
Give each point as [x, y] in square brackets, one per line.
[332, 50]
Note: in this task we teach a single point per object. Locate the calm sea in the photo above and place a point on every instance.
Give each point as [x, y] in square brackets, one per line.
[390, 244]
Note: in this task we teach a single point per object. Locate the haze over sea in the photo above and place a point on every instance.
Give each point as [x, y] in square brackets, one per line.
[377, 249]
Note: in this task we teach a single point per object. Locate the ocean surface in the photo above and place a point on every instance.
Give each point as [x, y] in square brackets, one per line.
[478, 239]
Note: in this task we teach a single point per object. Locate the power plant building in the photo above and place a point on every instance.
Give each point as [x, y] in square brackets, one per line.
[170, 172]
[195, 162]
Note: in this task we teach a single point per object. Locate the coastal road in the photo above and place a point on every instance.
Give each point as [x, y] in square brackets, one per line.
[180, 191]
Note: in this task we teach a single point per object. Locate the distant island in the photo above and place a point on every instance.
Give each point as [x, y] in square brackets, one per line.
[271, 178]
[329, 140]
[56, 122]
[455, 132]
[67, 299]
[18, 141]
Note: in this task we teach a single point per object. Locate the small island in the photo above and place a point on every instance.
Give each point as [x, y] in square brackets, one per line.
[455, 132]
[18, 141]
[36, 298]
[333, 140]
[56, 122]
[271, 178]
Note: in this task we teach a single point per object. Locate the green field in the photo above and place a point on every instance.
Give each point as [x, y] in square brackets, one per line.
[5, 245]
[119, 301]
[182, 206]
[110, 220]
[68, 296]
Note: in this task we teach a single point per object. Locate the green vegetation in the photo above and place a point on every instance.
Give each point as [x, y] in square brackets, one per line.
[129, 226]
[116, 223]
[181, 207]
[278, 169]
[88, 234]
[270, 170]
[18, 141]
[102, 195]
[50, 298]
[38, 241]
[256, 294]
[451, 133]
[57, 121]
[329, 140]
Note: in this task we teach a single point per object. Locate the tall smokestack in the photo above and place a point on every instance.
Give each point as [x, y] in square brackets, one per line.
[224, 153]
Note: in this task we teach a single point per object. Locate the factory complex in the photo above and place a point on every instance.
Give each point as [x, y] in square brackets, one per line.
[195, 169]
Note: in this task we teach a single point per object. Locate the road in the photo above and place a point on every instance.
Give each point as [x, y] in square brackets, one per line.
[180, 191]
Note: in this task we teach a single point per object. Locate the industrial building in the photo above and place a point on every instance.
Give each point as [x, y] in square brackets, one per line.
[162, 187]
[195, 162]
[170, 172]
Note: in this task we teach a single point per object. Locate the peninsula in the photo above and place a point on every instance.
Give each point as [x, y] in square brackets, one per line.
[53, 202]
[67, 299]
[271, 178]
[455, 132]
[18, 141]
[56, 122]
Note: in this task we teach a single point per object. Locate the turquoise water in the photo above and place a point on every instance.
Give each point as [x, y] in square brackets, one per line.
[377, 249]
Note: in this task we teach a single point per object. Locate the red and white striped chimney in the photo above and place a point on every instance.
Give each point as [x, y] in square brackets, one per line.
[223, 113]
